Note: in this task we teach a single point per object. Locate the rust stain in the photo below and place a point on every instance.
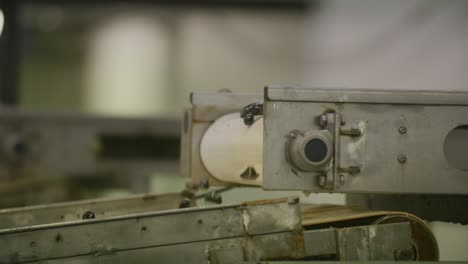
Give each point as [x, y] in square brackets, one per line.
[267, 201]
[200, 112]
[148, 197]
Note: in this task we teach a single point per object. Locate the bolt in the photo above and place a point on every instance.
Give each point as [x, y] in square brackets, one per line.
[88, 215]
[342, 179]
[144, 228]
[402, 130]
[291, 135]
[249, 119]
[32, 244]
[401, 158]
[343, 122]
[322, 180]
[205, 183]
[323, 120]
[214, 196]
[184, 203]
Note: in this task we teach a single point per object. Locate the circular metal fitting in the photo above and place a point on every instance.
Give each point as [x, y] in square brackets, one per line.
[310, 151]
[402, 130]
[401, 158]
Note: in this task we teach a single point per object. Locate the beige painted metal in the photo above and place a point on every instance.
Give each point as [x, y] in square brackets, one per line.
[229, 149]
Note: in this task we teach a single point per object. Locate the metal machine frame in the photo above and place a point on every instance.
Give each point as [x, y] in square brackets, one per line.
[383, 141]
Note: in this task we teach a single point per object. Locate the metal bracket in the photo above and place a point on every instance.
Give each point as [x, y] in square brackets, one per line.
[334, 122]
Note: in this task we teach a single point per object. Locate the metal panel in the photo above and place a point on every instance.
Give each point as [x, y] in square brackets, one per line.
[419, 97]
[320, 242]
[424, 170]
[373, 242]
[206, 108]
[99, 208]
[120, 233]
[225, 251]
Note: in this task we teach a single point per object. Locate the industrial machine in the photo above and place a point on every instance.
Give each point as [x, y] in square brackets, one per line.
[381, 148]
[47, 156]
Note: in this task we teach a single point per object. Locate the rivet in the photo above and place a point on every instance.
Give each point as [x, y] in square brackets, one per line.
[402, 130]
[401, 158]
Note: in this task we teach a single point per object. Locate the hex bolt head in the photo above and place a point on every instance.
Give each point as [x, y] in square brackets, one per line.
[322, 180]
[323, 120]
[402, 130]
[342, 179]
[401, 158]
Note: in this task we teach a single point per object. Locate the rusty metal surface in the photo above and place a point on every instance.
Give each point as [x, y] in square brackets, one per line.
[424, 242]
[99, 208]
[373, 242]
[314, 216]
[251, 223]
[223, 251]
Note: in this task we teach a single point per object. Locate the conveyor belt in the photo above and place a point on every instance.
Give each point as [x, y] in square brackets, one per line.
[323, 216]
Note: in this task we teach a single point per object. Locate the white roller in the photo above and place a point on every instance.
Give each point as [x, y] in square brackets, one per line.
[229, 148]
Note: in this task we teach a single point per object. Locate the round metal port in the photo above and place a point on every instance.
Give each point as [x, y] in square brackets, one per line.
[316, 150]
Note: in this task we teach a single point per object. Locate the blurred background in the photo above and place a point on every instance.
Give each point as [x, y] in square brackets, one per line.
[64, 61]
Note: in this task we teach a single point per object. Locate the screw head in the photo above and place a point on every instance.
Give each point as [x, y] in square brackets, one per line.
[402, 130]
[401, 158]
[88, 215]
